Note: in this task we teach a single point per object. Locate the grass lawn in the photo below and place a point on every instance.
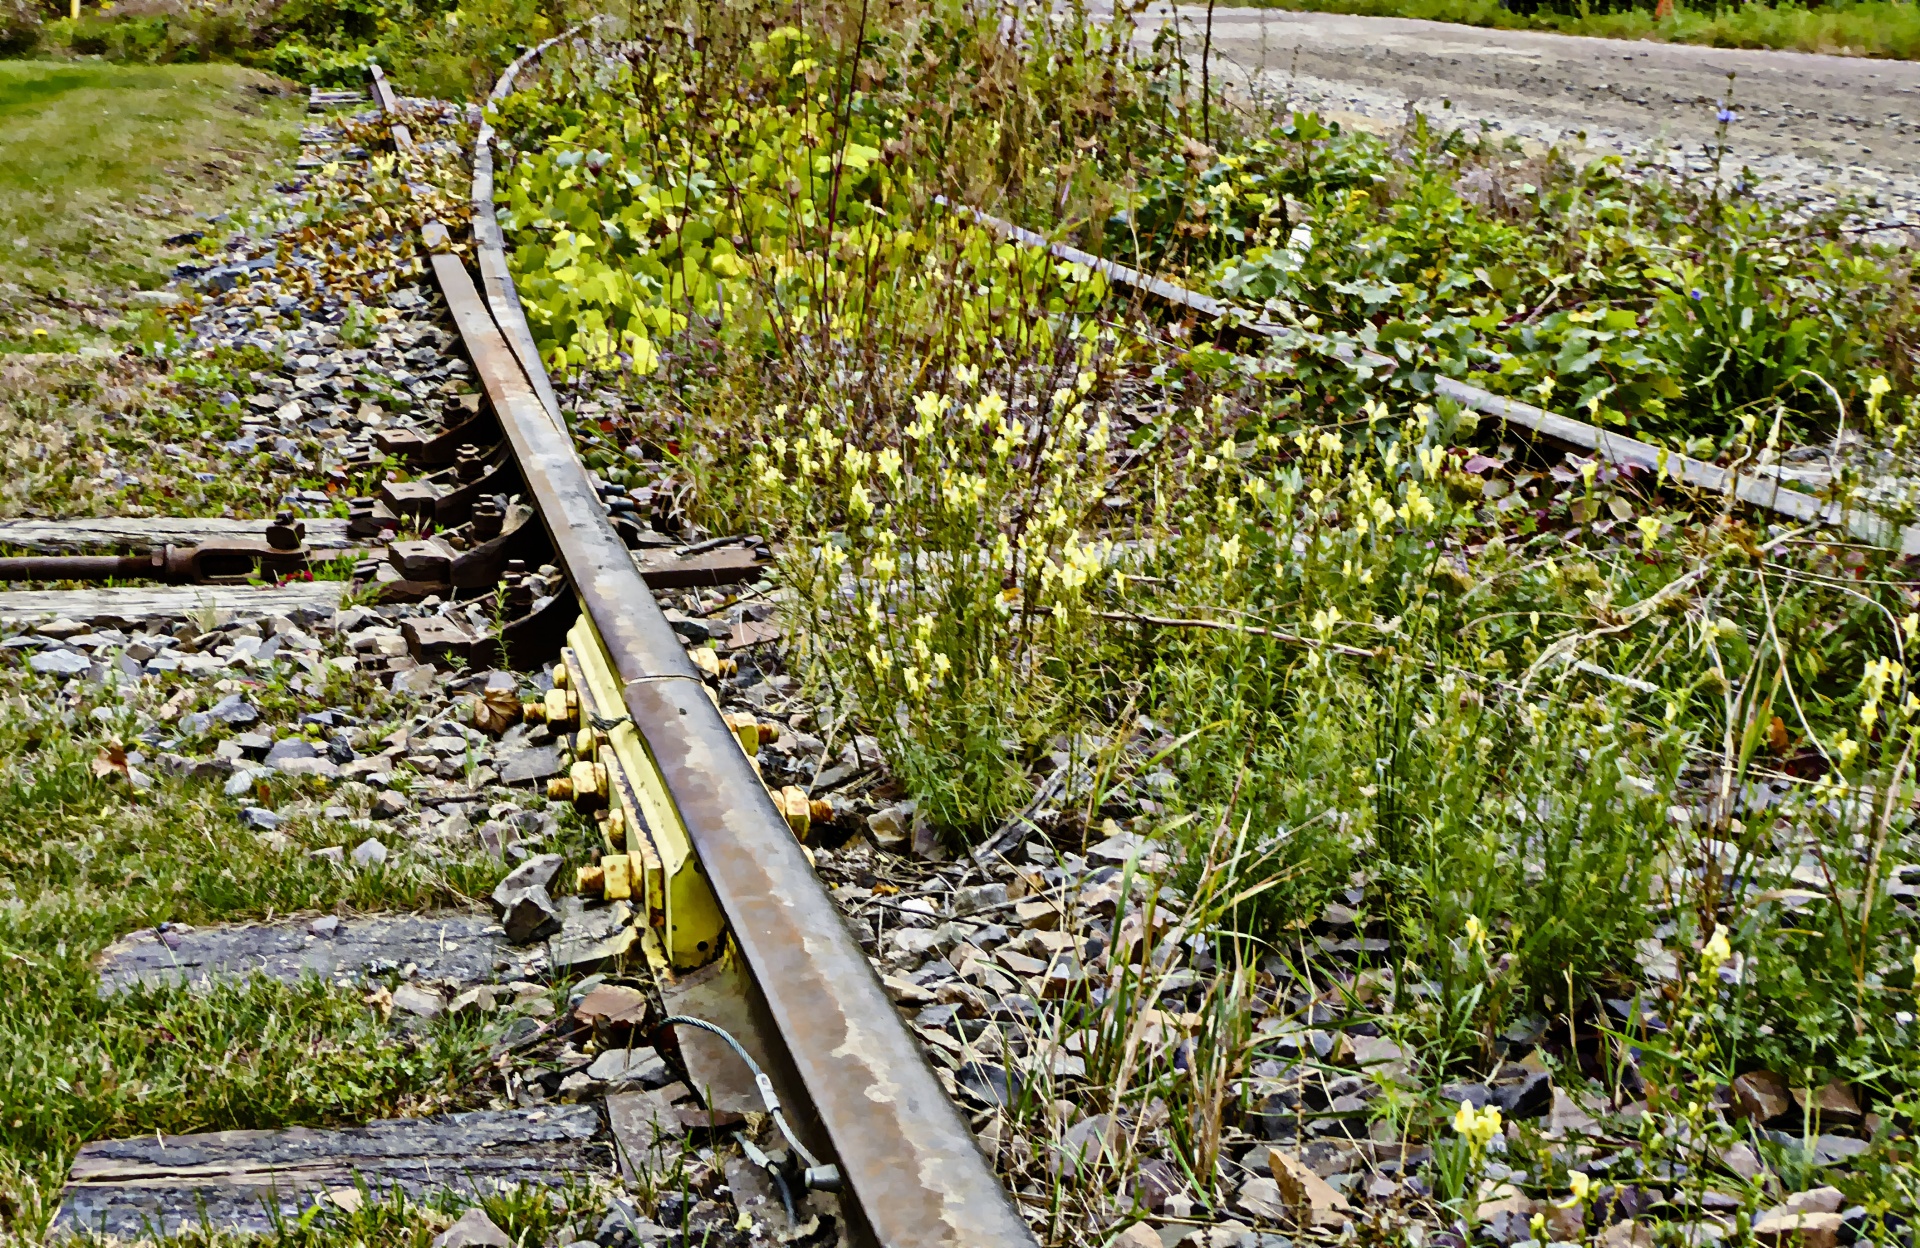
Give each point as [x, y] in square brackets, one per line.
[85, 860]
[99, 164]
[1880, 28]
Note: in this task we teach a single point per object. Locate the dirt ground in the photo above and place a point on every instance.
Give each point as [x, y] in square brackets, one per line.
[1808, 126]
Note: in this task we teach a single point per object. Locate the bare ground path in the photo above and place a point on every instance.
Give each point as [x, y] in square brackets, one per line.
[1808, 126]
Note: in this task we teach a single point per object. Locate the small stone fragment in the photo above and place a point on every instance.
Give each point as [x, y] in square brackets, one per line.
[1086, 1143]
[888, 827]
[478, 999]
[1528, 1097]
[1041, 914]
[369, 853]
[905, 992]
[1156, 1183]
[418, 1001]
[1806, 1226]
[624, 1066]
[289, 748]
[978, 897]
[612, 1005]
[1833, 1104]
[496, 836]
[1310, 1199]
[242, 781]
[1139, 1235]
[59, 662]
[1743, 1161]
[326, 927]
[390, 805]
[1259, 1198]
[1626, 1234]
[529, 765]
[530, 915]
[1227, 1234]
[1567, 1117]
[474, 1230]
[538, 871]
[1761, 1095]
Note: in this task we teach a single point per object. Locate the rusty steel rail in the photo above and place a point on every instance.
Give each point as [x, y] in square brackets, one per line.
[1615, 448]
[490, 252]
[914, 1174]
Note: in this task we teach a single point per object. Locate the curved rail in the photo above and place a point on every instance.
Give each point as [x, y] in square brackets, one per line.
[913, 1170]
[1615, 448]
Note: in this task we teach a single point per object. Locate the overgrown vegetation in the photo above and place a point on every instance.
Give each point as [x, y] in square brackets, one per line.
[446, 48]
[1570, 736]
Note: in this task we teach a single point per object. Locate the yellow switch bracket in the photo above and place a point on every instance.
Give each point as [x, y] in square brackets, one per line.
[666, 878]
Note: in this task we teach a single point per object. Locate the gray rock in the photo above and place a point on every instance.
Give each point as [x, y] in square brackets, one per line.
[476, 1000]
[530, 765]
[1828, 1149]
[391, 805]
[326, 927]
[1259, 1197]
[620, 1218]
[538, 872]
[496, 836]
[696, 631]
[332, 853]
[642, 1066]
[474, 1230]
[260, 819]
[233, 710]
[977, 898]
[61, 629]
[418, 1001]
[1529, 1097]
[369, 853]
[888, 827]
[241, 782]
[289, 748]
[530, 915]
[59, 662]
[591, 939]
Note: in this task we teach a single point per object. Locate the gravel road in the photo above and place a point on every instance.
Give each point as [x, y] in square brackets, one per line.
[1808, 126]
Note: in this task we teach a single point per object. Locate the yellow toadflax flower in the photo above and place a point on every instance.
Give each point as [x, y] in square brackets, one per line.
[1477, 1127]
[1715, 953]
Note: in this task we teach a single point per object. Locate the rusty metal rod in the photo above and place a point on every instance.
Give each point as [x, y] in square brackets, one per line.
[80, 568]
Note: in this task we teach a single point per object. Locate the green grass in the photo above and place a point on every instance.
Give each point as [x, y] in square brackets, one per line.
[98, 165]
[85, 861]
[1877, 28]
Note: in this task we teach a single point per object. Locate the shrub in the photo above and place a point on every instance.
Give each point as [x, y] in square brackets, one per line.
[19, 27]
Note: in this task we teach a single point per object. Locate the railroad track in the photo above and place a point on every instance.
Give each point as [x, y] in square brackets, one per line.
[703, 896]
[715, 860]
[711, 948]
